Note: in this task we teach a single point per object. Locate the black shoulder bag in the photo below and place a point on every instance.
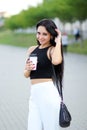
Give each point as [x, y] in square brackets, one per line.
[64, 114]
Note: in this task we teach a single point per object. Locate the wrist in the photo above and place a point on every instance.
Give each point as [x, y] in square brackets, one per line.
[59, 42]
[26, 73]
[26, 70]
[59, 38]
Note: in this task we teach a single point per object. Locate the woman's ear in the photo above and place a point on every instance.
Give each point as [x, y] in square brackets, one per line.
[51, 37]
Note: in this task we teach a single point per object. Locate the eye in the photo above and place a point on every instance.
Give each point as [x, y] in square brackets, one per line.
[45, 34]
[38, 33]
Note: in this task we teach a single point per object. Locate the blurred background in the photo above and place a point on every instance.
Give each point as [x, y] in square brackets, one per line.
[17, 33]
[18, 20]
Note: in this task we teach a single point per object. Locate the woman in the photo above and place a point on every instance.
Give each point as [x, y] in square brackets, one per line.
[44, 103]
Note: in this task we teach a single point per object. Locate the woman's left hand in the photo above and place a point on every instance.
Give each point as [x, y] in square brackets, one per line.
[59, 37]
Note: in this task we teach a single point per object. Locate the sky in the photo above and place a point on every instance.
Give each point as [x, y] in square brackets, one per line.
[12, 7]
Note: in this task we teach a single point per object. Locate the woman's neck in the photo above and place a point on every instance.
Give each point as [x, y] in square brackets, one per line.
[44, 46]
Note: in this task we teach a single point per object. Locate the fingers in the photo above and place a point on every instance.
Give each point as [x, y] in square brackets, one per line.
[58, 32]
[29, 65]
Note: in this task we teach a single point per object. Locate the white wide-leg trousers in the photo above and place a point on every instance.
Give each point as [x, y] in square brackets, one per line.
[44, 105]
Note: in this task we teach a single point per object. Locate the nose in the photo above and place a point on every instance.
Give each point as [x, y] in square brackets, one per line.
[40, 37]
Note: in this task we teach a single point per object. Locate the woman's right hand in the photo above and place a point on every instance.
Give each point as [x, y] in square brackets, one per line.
[29, 66]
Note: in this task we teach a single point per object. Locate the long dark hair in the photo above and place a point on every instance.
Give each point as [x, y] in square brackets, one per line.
[50, 27]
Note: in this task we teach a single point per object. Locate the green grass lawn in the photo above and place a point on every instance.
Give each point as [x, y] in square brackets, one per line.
[26, 40]
[80, 47]
[17, 39]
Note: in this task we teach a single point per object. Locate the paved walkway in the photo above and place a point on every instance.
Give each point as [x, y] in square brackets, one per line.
[14, 89]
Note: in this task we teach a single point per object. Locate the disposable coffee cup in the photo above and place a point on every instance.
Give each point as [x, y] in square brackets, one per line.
[33, 58]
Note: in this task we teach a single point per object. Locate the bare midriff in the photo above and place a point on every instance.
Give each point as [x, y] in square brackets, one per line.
[35, 81]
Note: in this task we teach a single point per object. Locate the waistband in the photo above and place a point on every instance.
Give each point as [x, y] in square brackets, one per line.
[42, 84]
[44, 88]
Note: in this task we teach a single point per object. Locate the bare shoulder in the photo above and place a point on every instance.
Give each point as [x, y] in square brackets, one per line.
[31, 49]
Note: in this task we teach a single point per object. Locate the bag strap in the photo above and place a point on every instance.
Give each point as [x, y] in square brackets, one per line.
[56, 83]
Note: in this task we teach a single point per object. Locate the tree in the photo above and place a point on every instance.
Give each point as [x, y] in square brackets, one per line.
[65, 10]
[78, 9]
[68, 10]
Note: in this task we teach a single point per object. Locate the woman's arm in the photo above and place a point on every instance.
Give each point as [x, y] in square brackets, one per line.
[56, 54]
[28, 65]
[26, 73]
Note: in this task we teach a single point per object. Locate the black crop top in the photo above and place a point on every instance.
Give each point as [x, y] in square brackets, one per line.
[44, 67]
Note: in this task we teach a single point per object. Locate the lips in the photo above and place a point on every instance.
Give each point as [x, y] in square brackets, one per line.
[41, 41]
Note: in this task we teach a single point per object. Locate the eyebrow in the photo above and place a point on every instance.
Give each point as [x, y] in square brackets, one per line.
[42, 33]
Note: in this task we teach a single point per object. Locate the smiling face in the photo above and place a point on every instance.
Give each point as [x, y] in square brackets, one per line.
[43, 36]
